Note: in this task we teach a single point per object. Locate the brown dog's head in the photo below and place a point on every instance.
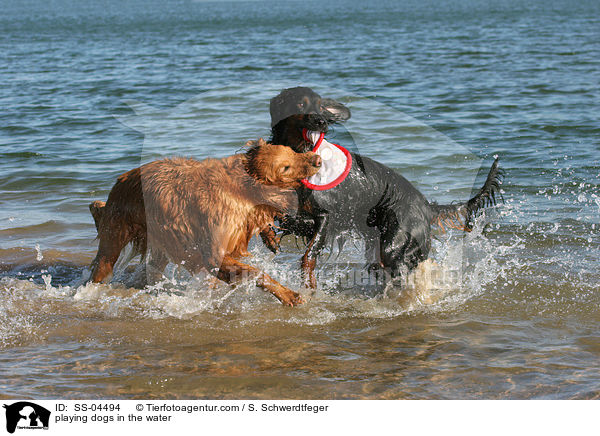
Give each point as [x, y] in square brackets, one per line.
[278, 165]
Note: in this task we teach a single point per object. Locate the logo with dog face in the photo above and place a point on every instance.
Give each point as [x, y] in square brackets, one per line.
[26, 415]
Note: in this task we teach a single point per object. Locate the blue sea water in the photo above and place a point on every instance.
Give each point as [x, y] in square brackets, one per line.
[436, 88]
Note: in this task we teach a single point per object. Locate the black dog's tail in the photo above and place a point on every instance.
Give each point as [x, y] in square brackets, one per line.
[460, 215]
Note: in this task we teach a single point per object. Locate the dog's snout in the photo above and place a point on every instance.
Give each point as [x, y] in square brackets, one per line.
[321, 123]
[316, 161]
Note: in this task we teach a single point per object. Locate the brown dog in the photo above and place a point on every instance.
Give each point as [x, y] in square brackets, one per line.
[202, 214]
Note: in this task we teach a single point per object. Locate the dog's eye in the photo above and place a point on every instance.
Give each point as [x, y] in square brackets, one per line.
[286, 168]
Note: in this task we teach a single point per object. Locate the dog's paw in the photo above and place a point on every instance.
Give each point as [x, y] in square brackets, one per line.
[292, 299]
[270, 239]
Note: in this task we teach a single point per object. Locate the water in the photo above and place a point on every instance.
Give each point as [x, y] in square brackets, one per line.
[437, 89]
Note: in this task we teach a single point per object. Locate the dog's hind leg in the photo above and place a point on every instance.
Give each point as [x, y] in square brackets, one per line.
[114, 235]
[401, 249]
[109, 250]
[155, 266]
[233, 270]
[402, 252]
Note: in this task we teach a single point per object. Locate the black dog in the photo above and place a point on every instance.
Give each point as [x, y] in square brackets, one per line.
[371, 197]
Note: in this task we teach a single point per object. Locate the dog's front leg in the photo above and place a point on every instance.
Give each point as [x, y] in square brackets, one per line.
[299, 225]
[233, 270]
[315, 246]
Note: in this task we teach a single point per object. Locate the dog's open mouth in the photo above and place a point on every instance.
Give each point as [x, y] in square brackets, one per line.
[335, 166]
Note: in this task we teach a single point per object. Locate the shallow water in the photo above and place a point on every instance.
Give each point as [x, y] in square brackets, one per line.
[511, 310]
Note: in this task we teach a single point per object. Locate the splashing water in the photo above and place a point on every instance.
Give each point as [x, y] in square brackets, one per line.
[461, 269]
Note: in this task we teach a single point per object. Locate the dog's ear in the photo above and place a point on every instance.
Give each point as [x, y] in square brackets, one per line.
[260, 143]
[334, 111]
[277, 109]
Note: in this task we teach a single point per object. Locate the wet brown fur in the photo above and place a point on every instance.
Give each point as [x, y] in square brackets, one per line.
[201, 214]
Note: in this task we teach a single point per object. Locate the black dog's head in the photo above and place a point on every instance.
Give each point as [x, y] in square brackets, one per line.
[294, 109]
